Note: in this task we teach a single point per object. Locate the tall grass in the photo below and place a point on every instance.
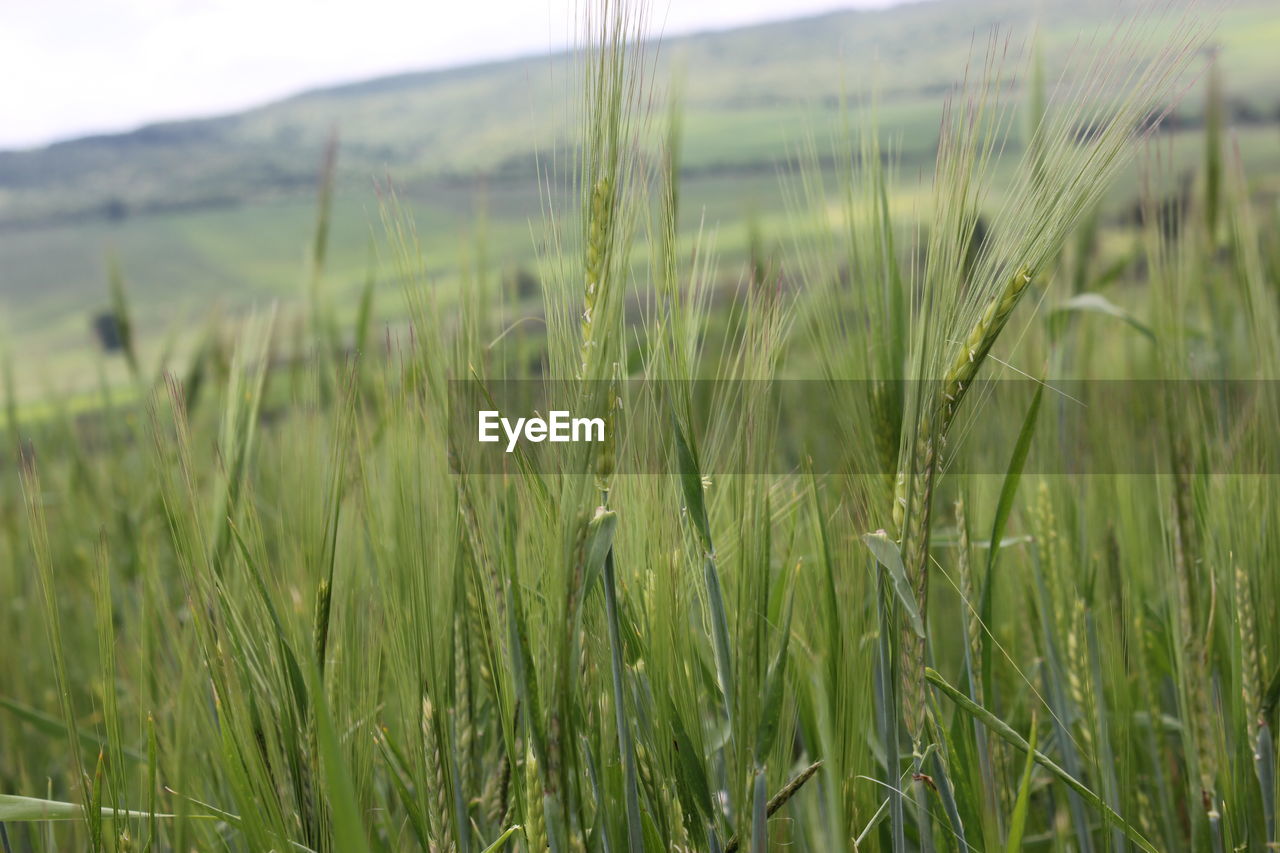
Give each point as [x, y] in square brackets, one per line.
[278, 604]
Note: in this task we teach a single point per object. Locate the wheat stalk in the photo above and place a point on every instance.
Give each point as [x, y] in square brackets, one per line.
[437, 792]
[968, 592]
[596, 263]
[1250, 660]
[535, 826]
[914, 499]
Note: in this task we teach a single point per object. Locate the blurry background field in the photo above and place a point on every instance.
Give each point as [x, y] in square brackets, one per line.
[264, 596]
[218, 214]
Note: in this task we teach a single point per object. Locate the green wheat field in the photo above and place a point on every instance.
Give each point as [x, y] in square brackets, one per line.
[257, 591]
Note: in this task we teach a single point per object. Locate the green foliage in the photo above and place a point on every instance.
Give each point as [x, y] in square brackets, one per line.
[290, 612]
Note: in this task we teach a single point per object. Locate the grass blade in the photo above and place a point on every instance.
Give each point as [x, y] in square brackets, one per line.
[1011, 737]
[501, 840]
[625, 748]
[695, 507]
[888, 555]
[1018, 821]
[1096, 303]
[33, 809]
[759, 820]
[1009, 488]
[348, 826]
[48, 724]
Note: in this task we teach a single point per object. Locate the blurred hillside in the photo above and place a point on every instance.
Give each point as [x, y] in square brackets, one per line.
[220, 210]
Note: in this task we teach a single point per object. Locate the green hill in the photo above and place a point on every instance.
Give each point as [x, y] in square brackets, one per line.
[219, 210]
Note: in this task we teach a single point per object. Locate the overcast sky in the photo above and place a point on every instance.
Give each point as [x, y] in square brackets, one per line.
[72, 67]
